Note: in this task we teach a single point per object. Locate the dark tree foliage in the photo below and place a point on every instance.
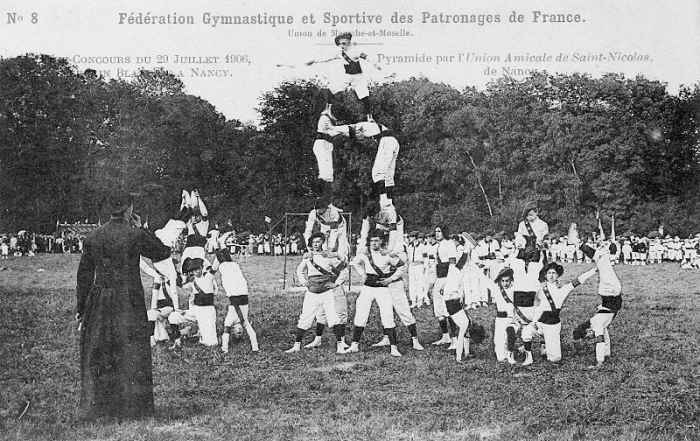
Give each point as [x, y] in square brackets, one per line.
[574, 144]
[45, 118]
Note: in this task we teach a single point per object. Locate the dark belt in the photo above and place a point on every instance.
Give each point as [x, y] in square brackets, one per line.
[324, 136]
[162, 303]
[613, 303]
[353, 68]
[441, 269]
[204, 299]
[550, 317]
[333, 225]
[238, 300]
[318, 288]
[524, 299]
[319, 283]
[501, 314]
[453, 306]
[195, 240]
[372, 281]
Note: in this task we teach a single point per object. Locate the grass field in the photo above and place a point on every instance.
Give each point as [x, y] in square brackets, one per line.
[649, 390]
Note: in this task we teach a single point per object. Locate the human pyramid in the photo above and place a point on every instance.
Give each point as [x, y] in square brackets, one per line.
[526, 288]
[199, 282]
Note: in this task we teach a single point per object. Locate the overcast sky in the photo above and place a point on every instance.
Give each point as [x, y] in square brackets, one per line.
[656, 38]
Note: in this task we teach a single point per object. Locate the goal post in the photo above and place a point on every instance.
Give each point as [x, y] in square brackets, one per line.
[348, 224]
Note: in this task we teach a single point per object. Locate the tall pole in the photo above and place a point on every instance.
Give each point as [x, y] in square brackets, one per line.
[349, 235]
[284, 276]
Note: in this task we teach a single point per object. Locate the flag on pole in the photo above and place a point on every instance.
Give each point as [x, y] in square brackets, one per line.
[600, 226]
[267, 219]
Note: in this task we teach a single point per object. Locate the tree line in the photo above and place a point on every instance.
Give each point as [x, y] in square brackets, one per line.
[574, 144]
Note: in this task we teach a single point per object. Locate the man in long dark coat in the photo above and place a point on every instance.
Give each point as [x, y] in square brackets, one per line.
[115, 353]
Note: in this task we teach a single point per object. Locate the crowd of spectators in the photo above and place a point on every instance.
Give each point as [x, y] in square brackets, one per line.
[250, 244]
[628, 249]
[29, 244]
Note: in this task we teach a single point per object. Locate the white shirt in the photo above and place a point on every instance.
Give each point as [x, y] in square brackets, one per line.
[559, 295]
[539, 227]
[451, 284]
[387, 220]
[306, 267]
[325, 125]
[206, 283]
[170, 232]
[232, 279]
[446, 250]
[523, 280]
[502, 305]
[330, 219]
[414, 252]
[430, 251]
[371, 129]
[609, 284]
[384, 263]
[483, 248]
[352, 52]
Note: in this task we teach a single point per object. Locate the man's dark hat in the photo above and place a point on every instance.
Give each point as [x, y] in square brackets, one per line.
[378, 232]
[314, 236]
[119, 200]
[339, 37]
[551, 265]
[529, 206]
[505, 272]
[191, 264]
[322, 202]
